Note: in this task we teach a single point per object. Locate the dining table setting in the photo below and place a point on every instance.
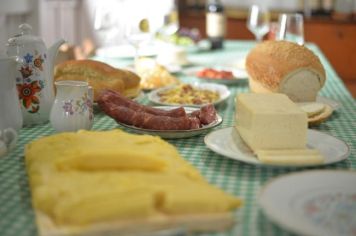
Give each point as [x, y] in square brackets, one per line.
[263, 196]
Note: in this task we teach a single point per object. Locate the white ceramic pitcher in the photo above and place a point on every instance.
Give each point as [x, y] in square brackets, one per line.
[10, 112]
[34, 74]
[73, 106]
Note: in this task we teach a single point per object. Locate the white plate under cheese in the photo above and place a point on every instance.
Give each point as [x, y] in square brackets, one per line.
[227, 142]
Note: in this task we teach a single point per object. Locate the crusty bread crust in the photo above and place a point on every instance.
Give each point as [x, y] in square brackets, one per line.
[271, 61]
[100, 76]
[97, 85]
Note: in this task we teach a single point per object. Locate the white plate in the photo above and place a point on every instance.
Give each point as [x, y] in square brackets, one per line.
[239, 74]
[140, 96]
[319, 202]
[175, 134]
[334, 104]
[170, 68]
[241, 63]
[176, 68]
[227, 142]
[173, 68]
[127, 51]
[221, 89]
[238, 63]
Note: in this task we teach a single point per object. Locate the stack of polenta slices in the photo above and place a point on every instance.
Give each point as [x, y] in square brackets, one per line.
[90, 181]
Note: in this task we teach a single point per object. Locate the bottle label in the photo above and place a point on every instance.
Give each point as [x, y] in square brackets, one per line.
[215, 24]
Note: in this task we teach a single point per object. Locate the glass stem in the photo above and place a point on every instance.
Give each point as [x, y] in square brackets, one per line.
[137, 47]
[259, 38]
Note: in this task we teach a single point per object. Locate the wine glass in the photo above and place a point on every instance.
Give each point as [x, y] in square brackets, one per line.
[105, 24]
[258, 21]
[291, 28]
[138, 32]
[170, 23]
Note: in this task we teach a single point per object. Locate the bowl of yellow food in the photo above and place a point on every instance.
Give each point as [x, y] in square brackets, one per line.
[195, 95]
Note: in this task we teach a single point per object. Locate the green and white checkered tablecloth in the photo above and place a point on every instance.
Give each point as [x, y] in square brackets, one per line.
[244, 180]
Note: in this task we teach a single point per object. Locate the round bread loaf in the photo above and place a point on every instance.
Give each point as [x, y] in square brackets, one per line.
[100, 76]
[285, 67]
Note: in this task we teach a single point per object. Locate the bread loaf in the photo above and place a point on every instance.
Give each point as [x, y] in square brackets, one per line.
[100, 76]
[285, 67]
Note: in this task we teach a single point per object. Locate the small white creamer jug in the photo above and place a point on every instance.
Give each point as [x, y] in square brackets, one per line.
[73, 106]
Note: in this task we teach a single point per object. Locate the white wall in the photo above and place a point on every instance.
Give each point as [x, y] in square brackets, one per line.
[12, 14]
[75, 20]
[50, 19]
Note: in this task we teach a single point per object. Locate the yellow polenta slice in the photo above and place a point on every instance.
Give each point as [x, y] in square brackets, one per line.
[127, 195]
[91, 177]
[115, 149]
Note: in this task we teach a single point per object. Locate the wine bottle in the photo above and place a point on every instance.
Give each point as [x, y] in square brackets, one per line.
[215, 24]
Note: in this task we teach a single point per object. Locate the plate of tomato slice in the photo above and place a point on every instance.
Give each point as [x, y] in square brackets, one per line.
[217, 74]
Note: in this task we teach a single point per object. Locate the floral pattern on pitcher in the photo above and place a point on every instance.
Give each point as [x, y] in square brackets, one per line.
[68, 107]
[79, 106]
[85, 104]
[29, 89]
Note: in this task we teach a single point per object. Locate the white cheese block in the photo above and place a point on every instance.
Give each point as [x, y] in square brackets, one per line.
[270, 121]
[290, 157]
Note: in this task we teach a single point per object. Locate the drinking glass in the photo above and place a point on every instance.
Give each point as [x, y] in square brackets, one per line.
[258, 21]
[105, 24]
[170, 23]
[291, 28]
[137, 32]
